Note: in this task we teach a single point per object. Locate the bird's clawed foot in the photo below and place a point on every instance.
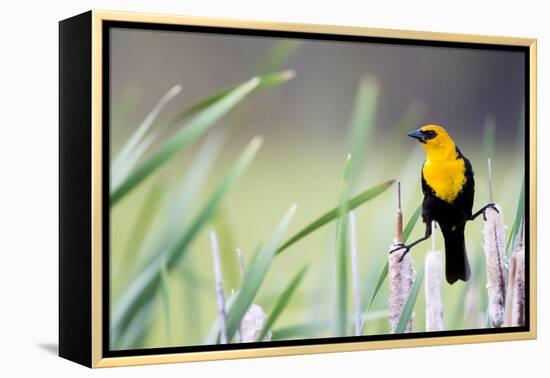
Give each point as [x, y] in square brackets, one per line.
[401, 246]
[488, 206]
[482, 211]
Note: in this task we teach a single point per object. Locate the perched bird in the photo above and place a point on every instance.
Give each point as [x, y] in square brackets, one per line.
[448, 187]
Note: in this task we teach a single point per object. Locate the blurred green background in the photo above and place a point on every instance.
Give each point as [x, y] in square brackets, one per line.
[477, 95]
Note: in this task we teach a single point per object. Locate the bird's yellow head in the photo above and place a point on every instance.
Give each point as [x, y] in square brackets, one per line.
[434, 139]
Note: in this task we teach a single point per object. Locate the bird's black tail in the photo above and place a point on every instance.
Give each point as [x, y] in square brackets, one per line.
[456, 259]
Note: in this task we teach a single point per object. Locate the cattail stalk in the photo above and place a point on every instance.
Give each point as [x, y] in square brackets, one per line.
[518, 301]
[494, 245]
[400, 271]
[355, 275]
[515, 296]
[219, 287]
[432, 288]
[252, 324]
[399, 225]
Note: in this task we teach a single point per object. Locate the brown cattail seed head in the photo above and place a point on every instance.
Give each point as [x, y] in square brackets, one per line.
[401, 279]
[518, 299]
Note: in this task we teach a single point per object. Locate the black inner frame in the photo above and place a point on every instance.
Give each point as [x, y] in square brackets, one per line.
[107, 25]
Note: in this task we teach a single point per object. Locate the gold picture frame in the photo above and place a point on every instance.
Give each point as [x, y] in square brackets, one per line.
[88, 328]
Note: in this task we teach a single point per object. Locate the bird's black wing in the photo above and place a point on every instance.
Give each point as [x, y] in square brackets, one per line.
[465, 199]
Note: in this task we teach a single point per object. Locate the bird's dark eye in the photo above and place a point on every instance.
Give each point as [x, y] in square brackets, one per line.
[429, 134]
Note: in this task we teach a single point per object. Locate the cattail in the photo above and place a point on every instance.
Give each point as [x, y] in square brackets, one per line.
[400, 271]
[219, 287]
[401, 279]
[433, 268]
[515, 296]
[254, 319]
[252, 324]
[494, 245]
[518, 301]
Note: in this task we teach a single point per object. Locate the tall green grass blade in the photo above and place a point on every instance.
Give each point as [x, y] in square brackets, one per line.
[137, 330]
[333, 214]
[362, 123]
[265, 81]
[140, 230]
[281, 303]
[136, 145]
[192, 184]
[520, 210]
[230, 265]
[342, 244]
[123, 110]
[165, 293]
[384, 273]
[277, 55]
[209, 210]
[129, 316]
[408, 307]
[121, 172]
[146, 285]
[379, 282]
[411, 223]
[213, 336]
[255, 274]
[184, 137]
[252, 280]
[179, 203]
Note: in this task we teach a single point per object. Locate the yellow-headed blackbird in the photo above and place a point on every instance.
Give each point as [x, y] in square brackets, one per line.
[448, 187]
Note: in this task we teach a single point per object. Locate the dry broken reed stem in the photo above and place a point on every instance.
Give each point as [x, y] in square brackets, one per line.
[220, 297]
[433, 267]
[355, 274]
[490, 175]
[252, 324]
[401, 273]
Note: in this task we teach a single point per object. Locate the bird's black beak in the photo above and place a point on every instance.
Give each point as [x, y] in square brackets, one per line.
[418, 134]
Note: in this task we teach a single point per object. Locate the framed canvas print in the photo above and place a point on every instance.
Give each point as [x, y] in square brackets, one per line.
[235, 189]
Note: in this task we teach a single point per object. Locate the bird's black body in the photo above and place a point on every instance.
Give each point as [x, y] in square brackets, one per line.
[448, 186]
[452, 218]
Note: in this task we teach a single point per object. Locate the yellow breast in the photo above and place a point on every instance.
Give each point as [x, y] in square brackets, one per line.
[446, 178]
